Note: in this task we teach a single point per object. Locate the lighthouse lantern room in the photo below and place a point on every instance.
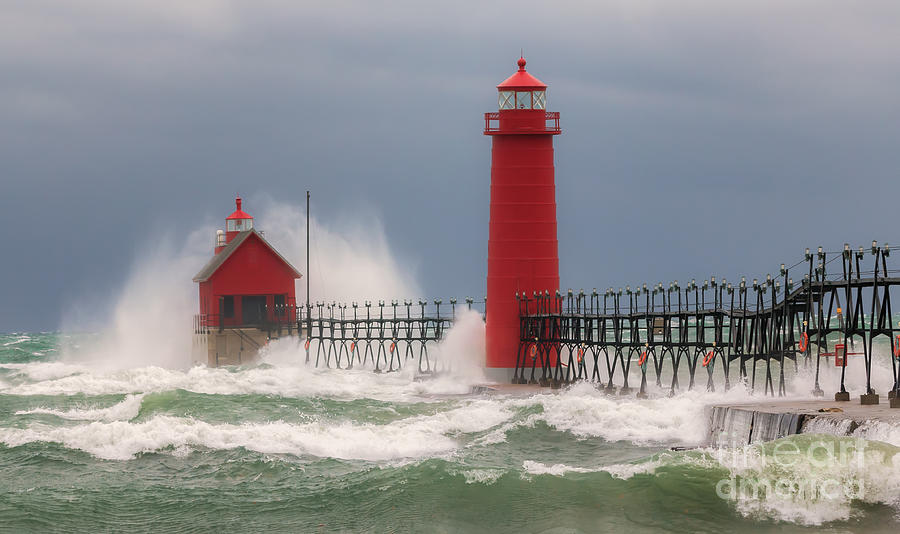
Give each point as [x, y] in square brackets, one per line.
[247, 294]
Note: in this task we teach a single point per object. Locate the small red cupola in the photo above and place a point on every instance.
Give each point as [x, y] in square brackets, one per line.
[237, 222]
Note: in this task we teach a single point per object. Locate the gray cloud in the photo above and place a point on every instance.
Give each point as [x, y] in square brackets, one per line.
[700, 137]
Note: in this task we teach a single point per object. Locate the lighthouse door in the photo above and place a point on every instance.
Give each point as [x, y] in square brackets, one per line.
[253, 309]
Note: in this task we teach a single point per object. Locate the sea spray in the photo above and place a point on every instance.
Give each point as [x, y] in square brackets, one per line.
[148, 321]
[454, 365]
[351, 259]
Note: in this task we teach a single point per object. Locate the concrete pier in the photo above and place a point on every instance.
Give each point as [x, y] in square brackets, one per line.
[740, 424]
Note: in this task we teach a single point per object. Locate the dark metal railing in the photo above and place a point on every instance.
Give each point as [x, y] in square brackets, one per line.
[770, 323]
[385, 334]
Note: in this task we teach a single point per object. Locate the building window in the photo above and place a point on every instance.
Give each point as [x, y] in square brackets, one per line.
[523, 100]
[540, 99]
[507, 100]
[228, 306]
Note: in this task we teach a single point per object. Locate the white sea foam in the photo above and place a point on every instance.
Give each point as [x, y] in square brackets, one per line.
[538, 468]
[586, 412]
[287, 381]
[283, 373]
[21, 339]
[581, 410]
[879, 431]
[414, 437]
[480, 476]
[40, 371]
[771, 481]
[625, 471]
[124, 410]
[811, 488]
[832, 426]
[804, 380]
[620, 471]
[872, 430]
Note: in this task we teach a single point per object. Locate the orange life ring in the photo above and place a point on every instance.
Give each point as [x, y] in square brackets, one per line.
[393, 346]
[897, 347]
[533, 351]
[709, 357]
[804, 342]
[643, 359]
[580, 354]
[307, 344]
[352, 346]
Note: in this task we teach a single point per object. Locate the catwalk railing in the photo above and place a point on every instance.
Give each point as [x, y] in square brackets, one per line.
[385, 335]
[675, 330]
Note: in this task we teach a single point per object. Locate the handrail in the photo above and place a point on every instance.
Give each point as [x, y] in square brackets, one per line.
[492, 117]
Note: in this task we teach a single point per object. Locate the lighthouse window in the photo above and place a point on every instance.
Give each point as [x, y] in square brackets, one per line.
[507, 100]
[239, 225]
[539, 99]
[523, 100]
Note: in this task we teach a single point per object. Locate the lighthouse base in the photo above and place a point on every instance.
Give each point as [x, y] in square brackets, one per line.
[499, 375]
[231, 346]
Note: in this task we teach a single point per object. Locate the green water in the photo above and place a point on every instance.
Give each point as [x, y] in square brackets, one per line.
[282, 448]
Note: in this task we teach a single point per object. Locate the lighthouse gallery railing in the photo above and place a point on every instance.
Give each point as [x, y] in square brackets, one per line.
[551, 123]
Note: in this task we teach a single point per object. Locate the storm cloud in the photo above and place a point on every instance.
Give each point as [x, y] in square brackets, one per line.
[699, 137]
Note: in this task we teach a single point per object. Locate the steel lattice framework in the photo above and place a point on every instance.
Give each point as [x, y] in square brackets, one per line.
[771, 323]
[387, 335]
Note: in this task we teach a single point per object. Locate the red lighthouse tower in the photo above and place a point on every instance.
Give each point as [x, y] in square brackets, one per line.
[523, 251]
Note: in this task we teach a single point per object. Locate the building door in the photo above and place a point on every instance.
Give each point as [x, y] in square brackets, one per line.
[253, 309]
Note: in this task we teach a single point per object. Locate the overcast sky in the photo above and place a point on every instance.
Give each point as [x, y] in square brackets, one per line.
[699, 137]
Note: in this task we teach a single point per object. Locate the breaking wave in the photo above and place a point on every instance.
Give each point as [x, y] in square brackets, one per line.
[803, 479]
[421, 436]
[125, 410]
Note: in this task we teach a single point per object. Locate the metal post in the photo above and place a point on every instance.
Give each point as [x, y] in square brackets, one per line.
[308, 306]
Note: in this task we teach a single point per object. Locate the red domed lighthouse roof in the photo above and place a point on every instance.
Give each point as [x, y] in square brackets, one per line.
[238, 212]
[521, 80]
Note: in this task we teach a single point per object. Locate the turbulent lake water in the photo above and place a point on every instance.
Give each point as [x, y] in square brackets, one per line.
[281, 447]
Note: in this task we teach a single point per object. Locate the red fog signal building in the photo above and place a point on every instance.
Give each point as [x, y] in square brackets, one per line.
[246, 290]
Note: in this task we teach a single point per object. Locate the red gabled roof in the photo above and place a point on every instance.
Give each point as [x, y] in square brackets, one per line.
[238, 212]
[521, 79]
[219, 259]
